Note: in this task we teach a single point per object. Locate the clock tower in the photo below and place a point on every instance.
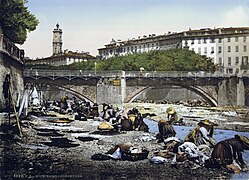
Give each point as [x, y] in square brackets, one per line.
[57, 40]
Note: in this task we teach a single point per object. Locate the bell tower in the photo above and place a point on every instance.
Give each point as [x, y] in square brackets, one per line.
[57, 40]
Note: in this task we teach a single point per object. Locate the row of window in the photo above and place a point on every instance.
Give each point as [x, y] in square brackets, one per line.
[212, 40]
[205, 50]
[237, 49]
[131, 48]
[244, 61]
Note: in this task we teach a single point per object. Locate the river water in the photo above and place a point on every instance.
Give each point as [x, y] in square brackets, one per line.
[222, 116]
[219, 135]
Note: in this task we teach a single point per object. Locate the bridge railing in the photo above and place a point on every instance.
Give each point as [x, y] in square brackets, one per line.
[161, 74]
[131, 74]
[70, 73]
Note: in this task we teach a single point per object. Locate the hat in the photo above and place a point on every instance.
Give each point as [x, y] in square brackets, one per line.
[206, 122]
[244, 139]
[105, 126]
[170, 110]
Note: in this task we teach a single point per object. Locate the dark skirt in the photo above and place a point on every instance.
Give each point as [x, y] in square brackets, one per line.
[223, 153]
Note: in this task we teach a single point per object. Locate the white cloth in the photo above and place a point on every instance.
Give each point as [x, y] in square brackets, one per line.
[171, 139]
[116, 154]
[192, 152]
[203, 137]
[158, 160]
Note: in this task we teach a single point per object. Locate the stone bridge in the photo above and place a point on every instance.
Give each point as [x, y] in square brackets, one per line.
[123, 86]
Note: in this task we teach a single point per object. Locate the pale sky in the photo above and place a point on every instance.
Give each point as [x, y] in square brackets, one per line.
[90, 24]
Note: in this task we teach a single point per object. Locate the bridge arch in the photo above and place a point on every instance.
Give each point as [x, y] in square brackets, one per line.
[206, 96]
[68, 90]
[75, 93]
[136, 94]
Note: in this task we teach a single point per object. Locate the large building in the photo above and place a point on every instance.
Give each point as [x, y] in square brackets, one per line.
[227, 47]
[60, 57]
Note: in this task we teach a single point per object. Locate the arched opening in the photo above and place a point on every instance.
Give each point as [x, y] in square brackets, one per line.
[210, 100]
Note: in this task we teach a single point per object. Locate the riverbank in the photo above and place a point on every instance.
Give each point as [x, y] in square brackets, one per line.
[32, 156]
[230, 118]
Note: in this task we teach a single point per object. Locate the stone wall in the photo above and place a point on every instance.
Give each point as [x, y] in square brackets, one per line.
[10, 65]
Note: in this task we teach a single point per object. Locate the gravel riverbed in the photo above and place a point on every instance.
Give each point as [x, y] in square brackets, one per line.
[28, 157]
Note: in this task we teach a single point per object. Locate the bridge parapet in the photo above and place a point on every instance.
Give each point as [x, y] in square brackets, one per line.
[70, 73]
[128, 74]
[179, 74]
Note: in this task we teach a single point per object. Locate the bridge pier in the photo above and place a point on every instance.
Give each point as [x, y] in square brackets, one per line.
[111, 90]
[240, 92]
[231, 92]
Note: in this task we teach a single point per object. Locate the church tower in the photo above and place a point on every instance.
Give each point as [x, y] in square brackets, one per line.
[57, 40]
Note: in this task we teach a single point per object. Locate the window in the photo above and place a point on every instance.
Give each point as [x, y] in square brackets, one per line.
[219, 49]
[236, 48]
[244, 39]
[199, 50]
[230, 71]
[237, 60]
[199, 41]
[212, 40]
[244, 60]
[205, 50]
[236, 39]
[220, 40]
[245, 48]
[228, 48]
[192, 41]
[229, 61]
[204, 41]
[228, 39]
[212, 50]
[220, 61]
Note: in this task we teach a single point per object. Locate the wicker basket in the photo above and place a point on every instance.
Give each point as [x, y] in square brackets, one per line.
[135, 156]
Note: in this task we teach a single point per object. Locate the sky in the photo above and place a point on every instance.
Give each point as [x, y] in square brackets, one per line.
[88, 25]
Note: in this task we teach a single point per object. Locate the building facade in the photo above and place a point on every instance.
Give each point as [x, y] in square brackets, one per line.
[227, 47]
[60, 57]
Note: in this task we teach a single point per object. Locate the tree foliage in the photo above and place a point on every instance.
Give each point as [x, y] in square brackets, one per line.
[170, 60]
[16, 20]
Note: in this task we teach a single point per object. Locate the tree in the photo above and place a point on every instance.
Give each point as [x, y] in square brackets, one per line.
[16, 20]
[170, 60]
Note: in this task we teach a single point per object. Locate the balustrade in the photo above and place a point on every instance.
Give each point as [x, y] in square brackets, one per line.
[9, 47]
